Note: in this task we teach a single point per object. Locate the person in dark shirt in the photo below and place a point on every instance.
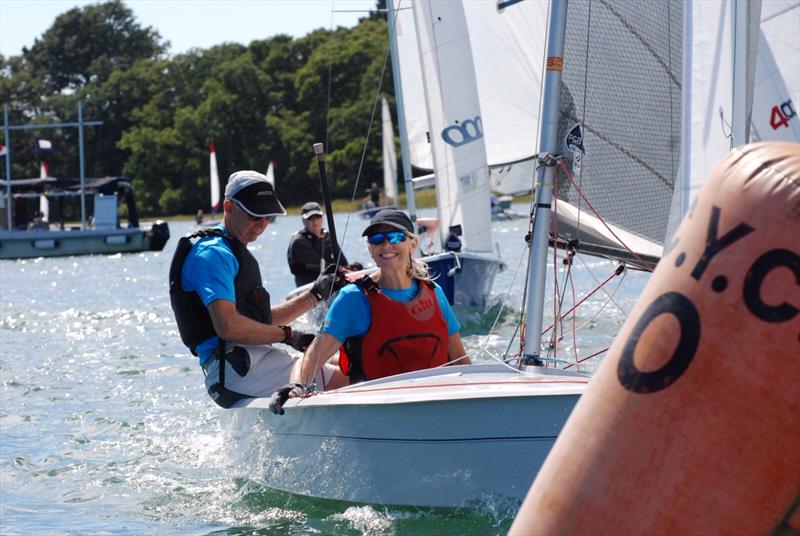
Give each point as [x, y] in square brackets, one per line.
[309, 246]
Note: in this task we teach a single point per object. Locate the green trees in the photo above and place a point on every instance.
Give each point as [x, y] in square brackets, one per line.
[270, 100]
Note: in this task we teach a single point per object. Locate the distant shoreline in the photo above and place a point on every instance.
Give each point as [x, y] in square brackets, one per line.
[423, 199]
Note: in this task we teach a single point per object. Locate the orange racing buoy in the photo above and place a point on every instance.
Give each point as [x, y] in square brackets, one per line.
[692, 423]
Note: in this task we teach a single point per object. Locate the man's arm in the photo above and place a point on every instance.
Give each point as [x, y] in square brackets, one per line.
[288, 311]
[234, 326]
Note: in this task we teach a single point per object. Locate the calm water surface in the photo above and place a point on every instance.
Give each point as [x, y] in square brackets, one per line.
[105, 427]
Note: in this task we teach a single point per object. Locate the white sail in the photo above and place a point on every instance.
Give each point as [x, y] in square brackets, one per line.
[506, 45]
[415, 115]
[454, 116]
[777, 82]
[271, 173]
[389, 154]
[214, 179]
[44, 203]
[718, 59]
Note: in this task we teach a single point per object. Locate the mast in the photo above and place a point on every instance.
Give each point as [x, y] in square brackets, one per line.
[82, 166]
[545, 180]
[6, 132]
[401, 123]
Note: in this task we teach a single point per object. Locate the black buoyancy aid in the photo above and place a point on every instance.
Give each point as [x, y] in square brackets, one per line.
[402, 337]
[192, 317]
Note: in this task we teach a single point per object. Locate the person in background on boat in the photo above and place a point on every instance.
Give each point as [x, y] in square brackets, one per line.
[38, 223]
[373, 198]
[310, 246]
[223, 312]
[200, 216]
[392, 321]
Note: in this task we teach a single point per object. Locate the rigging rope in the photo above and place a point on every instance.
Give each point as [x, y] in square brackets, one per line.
[646, 265]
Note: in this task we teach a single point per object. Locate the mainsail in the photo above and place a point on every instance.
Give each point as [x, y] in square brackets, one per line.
[271, 173]
[214, 179]
[454, 116]
[777, 83]
[508, 48]
[44, 203]
[506, 45]
[389, 154]
[718, 67]
[620, 101]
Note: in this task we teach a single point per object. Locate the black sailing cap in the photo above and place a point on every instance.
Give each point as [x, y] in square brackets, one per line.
[391, 218]
[253, 193]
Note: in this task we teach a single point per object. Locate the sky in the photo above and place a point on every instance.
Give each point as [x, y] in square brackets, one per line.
[190, 23]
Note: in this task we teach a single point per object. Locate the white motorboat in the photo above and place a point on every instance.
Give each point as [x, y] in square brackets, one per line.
[104, 236]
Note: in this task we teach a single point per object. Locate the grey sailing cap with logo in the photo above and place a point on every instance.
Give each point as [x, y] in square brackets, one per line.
[253, 193]
[311, 208]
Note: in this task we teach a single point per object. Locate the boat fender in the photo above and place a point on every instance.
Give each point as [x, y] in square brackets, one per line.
[692, 423]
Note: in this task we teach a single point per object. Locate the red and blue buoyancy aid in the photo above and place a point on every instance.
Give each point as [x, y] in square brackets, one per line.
[402, 337]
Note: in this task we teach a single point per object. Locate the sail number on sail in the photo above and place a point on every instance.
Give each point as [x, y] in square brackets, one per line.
[781, 115]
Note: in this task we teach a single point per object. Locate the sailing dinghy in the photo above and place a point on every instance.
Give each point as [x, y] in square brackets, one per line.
[458, 436]
[213, 179]
[454, 436]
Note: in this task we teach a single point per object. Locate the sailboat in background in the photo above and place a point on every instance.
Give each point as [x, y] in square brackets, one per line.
[503, 48]
[213, 176]
[389, 155]
[270, 174]
[43, 148]
[44, 203]
[749, 98]
[370, 208]
[466, 266]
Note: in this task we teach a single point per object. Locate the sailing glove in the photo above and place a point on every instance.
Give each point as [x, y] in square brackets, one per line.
[325, 285]
[299, 340]
[280, 396]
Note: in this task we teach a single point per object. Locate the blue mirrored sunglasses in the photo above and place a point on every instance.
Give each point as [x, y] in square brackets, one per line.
[394, 237]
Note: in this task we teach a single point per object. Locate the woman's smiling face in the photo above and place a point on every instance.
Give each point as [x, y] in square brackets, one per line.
[392, 257]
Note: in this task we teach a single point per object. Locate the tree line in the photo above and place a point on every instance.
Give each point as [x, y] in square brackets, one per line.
[270, 100]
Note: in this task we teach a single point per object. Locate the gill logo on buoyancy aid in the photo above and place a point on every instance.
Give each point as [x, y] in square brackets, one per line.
[192, 317]
[403, 336]
[422, 309]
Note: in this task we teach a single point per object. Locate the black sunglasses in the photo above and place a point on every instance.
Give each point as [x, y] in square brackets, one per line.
[394, 237]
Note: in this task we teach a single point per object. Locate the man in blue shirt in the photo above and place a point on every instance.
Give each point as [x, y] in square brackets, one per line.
[224, 313]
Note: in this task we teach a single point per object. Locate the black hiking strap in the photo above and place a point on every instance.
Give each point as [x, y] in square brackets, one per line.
[221, 354]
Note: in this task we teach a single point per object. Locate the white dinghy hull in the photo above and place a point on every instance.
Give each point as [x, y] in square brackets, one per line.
[456, 436]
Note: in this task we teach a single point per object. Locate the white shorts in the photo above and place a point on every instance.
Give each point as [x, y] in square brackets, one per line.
[259, 370]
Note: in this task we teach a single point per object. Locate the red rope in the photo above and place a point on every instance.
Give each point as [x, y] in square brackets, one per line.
[598, 287]
[578, 361]
[643, 262]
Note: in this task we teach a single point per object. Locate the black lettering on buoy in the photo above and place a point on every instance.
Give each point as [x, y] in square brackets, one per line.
[755, 277]
[687, 315]
[714, 245]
